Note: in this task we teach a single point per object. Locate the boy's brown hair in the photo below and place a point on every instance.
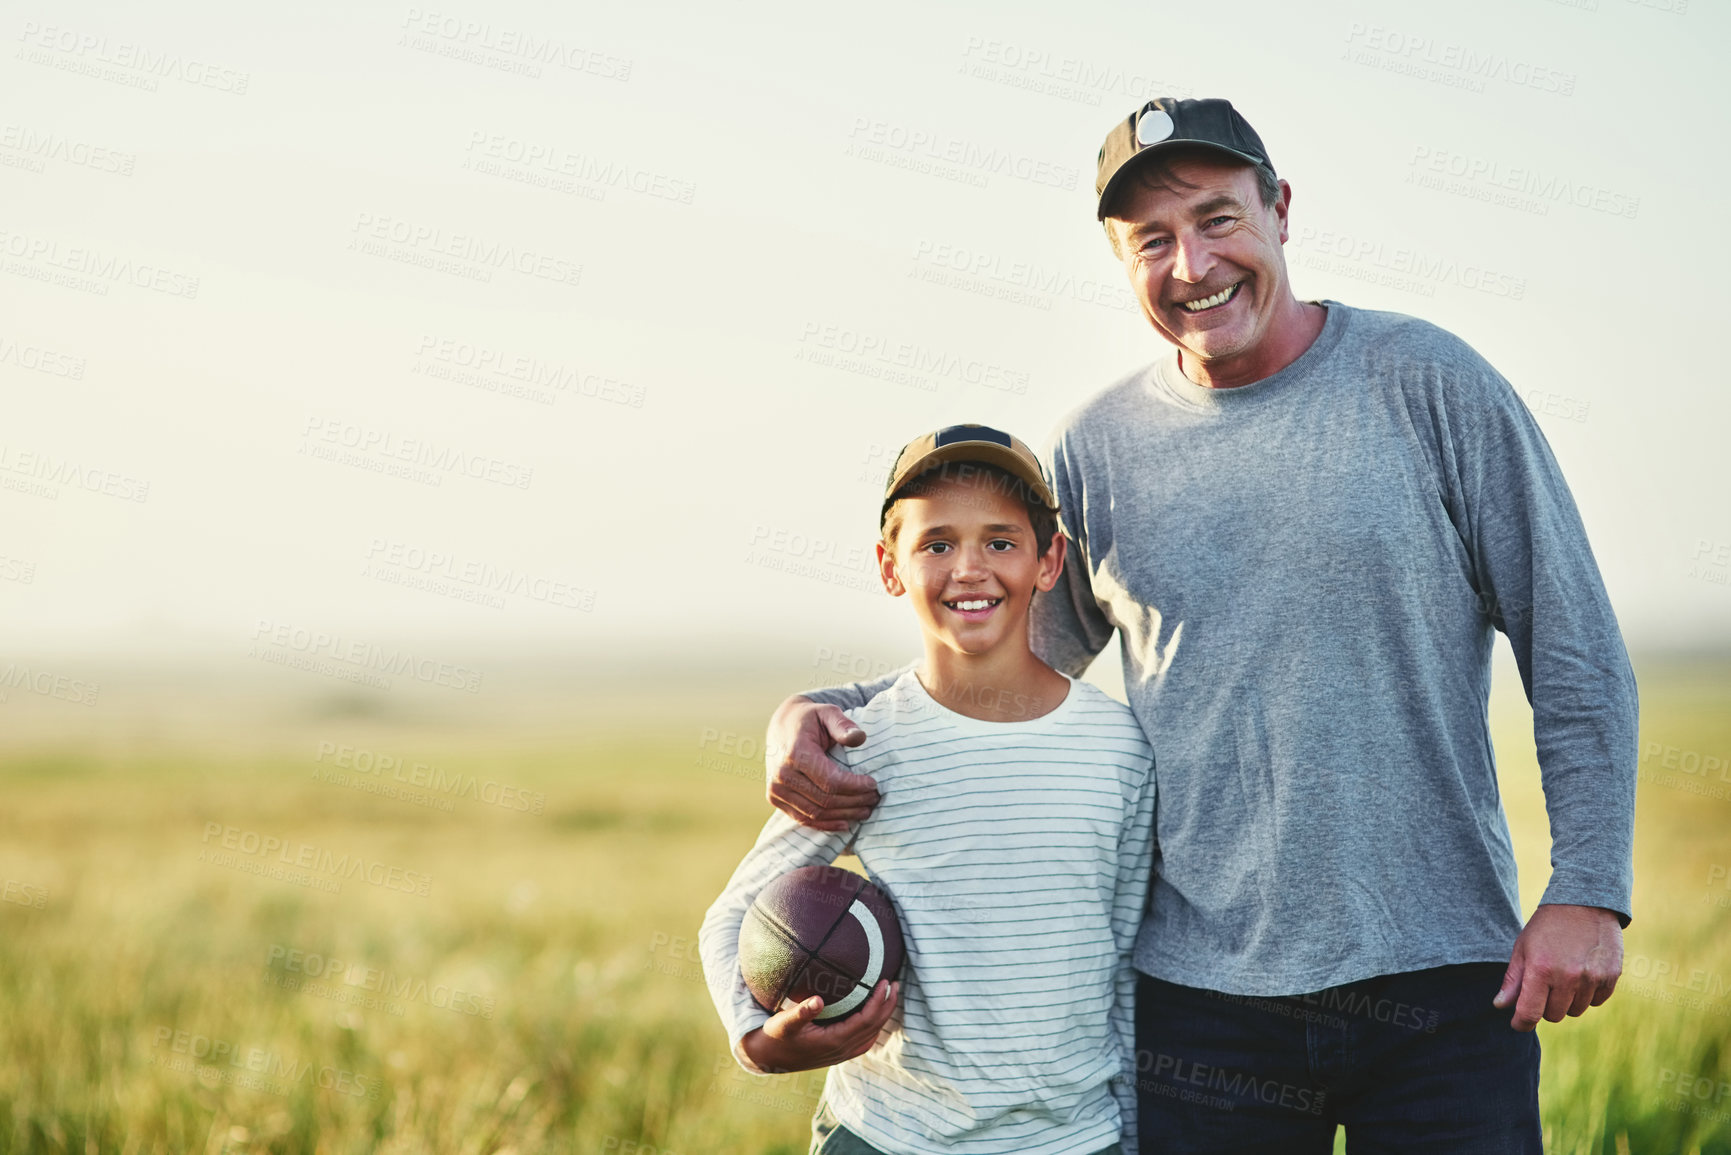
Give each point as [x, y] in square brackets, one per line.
[996, 479]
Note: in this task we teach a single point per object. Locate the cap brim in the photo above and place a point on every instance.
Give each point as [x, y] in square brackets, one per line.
[1116, 181]
[986, 451]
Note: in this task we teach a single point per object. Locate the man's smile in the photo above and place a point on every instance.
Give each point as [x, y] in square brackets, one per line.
[1214, 302]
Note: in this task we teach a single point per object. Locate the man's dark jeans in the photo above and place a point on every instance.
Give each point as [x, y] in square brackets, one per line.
[1413, 1063]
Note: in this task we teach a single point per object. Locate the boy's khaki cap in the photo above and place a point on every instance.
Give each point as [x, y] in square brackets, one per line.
[967, 443]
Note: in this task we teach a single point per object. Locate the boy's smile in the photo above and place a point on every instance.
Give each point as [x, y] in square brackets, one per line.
[967, 557]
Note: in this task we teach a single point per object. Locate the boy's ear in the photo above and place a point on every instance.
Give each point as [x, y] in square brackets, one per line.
[887, 571]
[1051, 563]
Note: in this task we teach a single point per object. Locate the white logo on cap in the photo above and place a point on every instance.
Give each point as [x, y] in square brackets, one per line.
[1153, 128]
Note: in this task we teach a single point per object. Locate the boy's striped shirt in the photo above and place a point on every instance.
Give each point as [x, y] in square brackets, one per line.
[1017, 855]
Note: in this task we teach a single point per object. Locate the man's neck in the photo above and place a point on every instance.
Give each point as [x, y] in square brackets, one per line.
[1295, 330]
[1008, 684]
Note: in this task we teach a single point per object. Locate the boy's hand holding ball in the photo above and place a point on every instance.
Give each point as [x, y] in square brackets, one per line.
[792, 1041]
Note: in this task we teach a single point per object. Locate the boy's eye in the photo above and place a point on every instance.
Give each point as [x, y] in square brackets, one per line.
[938, 547]
[1000, 544]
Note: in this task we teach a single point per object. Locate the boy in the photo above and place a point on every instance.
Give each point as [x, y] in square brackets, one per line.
[1014, 834]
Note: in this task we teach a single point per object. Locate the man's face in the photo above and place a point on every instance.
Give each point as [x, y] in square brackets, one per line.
[1203, 234]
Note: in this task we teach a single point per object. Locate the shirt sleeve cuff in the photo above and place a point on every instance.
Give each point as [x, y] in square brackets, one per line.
[1563, 894]
[739, 1054]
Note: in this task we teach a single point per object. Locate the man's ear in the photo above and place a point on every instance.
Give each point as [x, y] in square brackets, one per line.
[887, 571]
[1282, 207]
[1052, 563]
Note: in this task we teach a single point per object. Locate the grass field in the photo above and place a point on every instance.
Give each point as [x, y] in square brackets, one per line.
[181, 864]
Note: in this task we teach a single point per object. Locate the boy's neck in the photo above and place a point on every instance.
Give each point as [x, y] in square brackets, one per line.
[1007, 684]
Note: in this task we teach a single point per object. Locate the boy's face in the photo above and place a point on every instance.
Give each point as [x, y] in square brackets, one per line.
[966, 556]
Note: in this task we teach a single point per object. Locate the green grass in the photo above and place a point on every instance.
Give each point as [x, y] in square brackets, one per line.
[584, 1024]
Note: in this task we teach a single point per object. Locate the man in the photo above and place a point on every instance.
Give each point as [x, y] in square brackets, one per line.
[1307, 523]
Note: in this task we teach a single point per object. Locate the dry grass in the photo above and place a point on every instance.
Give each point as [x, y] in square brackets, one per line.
[583, 1025]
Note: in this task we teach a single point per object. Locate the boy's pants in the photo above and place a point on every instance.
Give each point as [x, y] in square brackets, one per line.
[1412, 1063]
[829, 1137]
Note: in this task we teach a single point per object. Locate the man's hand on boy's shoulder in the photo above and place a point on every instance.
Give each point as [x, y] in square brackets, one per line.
[793, 1041]
[804, 782]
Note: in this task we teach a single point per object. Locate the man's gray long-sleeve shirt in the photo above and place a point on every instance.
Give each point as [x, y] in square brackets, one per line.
[1308, 572]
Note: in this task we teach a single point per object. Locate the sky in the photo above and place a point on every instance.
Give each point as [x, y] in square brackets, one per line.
[330, 330]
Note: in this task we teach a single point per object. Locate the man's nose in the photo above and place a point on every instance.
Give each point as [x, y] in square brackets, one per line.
[1193, 261]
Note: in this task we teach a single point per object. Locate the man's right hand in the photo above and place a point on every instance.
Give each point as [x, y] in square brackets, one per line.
[792, 1040]
[804, 782]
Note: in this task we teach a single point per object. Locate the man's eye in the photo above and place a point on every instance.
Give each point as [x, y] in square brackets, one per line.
[1218, 221]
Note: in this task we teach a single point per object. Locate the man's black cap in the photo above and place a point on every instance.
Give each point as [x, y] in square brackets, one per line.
[1167, 123]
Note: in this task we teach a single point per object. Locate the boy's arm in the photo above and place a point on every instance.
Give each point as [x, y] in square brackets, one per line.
[795, 1043]
[1130, 903]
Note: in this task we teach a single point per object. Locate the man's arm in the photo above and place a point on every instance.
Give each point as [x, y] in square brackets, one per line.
[1539, 584]
[1066, 626]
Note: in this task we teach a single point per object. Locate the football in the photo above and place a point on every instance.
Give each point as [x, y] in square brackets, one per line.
[819, 930]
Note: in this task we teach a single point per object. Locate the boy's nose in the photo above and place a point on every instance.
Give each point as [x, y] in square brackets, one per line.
[970, 566]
